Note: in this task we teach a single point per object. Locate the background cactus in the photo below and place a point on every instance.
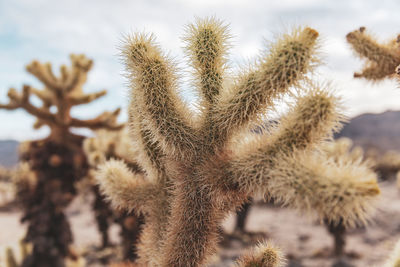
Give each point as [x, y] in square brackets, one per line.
[341, 150]
[381, 58]
[58, 160]
[199, 168]
[104, 146]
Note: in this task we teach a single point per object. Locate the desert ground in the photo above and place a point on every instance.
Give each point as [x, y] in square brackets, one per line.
[304, 241]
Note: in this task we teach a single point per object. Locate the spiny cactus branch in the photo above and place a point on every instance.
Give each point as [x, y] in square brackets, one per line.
[200, 171]
[381, 59]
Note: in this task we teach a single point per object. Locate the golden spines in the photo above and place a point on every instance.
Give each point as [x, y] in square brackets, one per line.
[288, 61]
[262, 255]
[382, 59]
[154, 97]
[337, 190]
[206, 47]
[310, 121]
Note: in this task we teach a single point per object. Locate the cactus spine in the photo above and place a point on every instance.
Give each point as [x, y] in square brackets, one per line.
[199, 169]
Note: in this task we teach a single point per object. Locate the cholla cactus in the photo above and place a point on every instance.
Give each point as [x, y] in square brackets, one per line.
[57, 161]
[341, 151]
[198, 169]
[117, 145]
[381, 59]
[63, 93]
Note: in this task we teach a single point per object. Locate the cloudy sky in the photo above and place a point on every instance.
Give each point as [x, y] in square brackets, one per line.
[50, 30]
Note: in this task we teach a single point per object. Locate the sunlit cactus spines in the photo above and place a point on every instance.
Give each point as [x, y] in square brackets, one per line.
[200, 167]
[57, 161]
[381, 59]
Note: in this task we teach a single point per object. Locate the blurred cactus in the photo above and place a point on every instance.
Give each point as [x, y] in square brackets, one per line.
[387, 165]
[98, 149]
[199, 168]
[57, 161]
[342, 150]
[381, 58]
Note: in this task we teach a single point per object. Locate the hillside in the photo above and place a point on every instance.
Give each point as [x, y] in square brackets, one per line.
[380, 131]
[8, 152]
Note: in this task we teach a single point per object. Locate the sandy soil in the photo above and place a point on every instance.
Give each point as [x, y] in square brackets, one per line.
[304, 242]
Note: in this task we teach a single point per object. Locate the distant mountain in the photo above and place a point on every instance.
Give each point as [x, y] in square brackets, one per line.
[380, 131]
[8, 153]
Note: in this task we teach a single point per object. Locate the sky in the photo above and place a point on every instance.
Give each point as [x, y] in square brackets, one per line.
[49, 31]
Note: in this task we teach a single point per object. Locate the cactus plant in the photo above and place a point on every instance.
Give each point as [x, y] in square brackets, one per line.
[199, 167]
[381, 59]
[106, 145]
[58, 160]
[341, 150]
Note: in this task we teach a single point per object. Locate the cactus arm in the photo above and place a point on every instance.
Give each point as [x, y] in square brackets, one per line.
[43, 73]
[382, 59]
[43, 95]
[335, 191]
[365, 46]
[309, 121]
[125, 189]
[374, 72]
[154, 93]
[150, 154]
[287, 63]
[21, 100]
[206, 47]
